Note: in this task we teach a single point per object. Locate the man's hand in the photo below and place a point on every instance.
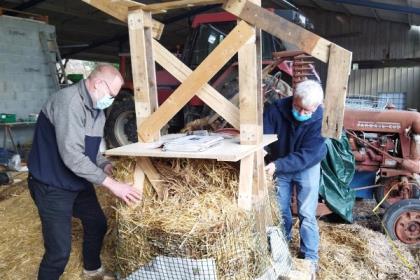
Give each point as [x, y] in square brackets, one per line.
[108, 169]
[124, 191]
[270, 168]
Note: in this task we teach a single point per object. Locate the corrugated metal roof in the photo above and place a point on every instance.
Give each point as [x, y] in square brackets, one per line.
[361, 8]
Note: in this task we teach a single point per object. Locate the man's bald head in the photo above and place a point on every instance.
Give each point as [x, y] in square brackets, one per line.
[106, 72]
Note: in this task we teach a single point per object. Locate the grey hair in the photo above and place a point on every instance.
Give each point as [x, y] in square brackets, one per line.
[310, 92]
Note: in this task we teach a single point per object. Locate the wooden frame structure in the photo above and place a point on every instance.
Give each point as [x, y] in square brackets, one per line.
[244, 39]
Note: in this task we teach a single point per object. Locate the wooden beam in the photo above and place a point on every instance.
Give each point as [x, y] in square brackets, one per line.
[146, 165]
[145, 89]
[139, 177]
[119, 10]
[169, 5]
[207, 93]
[268, 21]
[202, 74]
[250, 107]
[335, 92]
[246, 175]
[143, 67]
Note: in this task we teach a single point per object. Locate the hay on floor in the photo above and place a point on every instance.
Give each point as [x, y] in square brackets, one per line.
[199, 220]
[350, 251]
[21, 246]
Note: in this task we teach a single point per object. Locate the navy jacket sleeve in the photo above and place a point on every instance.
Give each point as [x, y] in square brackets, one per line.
[312, 151]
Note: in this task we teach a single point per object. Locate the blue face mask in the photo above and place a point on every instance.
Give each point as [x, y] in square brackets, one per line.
[104, 102]
[299, 117]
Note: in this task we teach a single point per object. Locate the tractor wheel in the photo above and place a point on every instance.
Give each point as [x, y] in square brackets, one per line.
[402, 221]
[120, 127]
[396, 194]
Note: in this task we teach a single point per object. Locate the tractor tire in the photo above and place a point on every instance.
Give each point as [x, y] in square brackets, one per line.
[402, 221]
[120, 126]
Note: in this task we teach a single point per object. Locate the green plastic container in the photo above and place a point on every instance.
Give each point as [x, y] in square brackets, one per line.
[7, 118]
[75, 77]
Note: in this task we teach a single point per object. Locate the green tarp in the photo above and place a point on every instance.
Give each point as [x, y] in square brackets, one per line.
[337, 170]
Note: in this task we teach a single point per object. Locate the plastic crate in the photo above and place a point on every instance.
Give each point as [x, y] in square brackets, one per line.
[7, 118]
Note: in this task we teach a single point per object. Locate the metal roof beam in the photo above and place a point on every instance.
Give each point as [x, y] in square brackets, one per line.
[28, 5]
[381, 6]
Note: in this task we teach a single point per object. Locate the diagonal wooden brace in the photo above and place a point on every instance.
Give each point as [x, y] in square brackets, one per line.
[202, 74]
[207, 93]
[270, 22]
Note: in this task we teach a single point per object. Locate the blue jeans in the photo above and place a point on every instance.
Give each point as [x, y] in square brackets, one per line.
[307, 186]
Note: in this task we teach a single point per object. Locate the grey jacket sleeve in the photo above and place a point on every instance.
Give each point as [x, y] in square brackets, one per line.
[101, 161]
[69, 123]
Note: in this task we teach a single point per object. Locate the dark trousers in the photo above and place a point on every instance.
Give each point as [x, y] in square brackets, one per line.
[56, 207]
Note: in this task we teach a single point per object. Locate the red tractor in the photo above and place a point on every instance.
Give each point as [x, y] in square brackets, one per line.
[387, 142]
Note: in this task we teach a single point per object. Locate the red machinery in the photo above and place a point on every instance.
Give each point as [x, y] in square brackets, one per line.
[388, 142]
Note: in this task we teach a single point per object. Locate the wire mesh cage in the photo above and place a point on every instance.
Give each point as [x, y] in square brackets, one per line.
[367, 102]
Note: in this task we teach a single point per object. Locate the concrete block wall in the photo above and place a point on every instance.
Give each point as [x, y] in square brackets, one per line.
[25, 79]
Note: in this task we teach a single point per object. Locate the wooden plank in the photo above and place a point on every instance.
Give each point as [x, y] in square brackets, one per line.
[146, 165]
[169, 5]
[249, 92]
[119, 10]
[202, 74]
[143, 67]
[228, 150]
[285, 30]
[207, 93]
[139, 177]
[335, 92]
[246, 182]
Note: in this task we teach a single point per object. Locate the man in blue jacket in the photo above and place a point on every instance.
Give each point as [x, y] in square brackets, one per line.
[295, 159]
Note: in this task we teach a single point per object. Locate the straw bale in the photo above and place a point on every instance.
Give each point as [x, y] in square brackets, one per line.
[200, 219]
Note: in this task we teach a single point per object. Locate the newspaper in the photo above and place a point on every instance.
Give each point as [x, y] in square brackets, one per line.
[192, 143]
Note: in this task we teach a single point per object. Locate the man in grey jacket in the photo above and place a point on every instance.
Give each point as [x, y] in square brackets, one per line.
[65, 162]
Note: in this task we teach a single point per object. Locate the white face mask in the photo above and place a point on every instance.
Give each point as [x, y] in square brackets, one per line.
[104, 102]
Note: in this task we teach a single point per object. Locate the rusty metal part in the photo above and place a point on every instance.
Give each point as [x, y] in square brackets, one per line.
[321, 210]
[302, 68]
[411, 165]
[353, 134]
[398, 188]
[407, 227]
[415, 146]
[381, 121]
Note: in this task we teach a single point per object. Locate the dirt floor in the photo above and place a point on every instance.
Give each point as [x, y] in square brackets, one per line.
[357, 251]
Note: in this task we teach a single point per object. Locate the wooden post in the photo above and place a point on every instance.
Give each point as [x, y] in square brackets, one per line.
[145, 89]
[335, 91]
[251, 110]
[143, 67]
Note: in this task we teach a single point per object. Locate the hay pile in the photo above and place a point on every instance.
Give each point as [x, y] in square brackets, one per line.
[21, 246]
[199, 220]
[357, 253]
